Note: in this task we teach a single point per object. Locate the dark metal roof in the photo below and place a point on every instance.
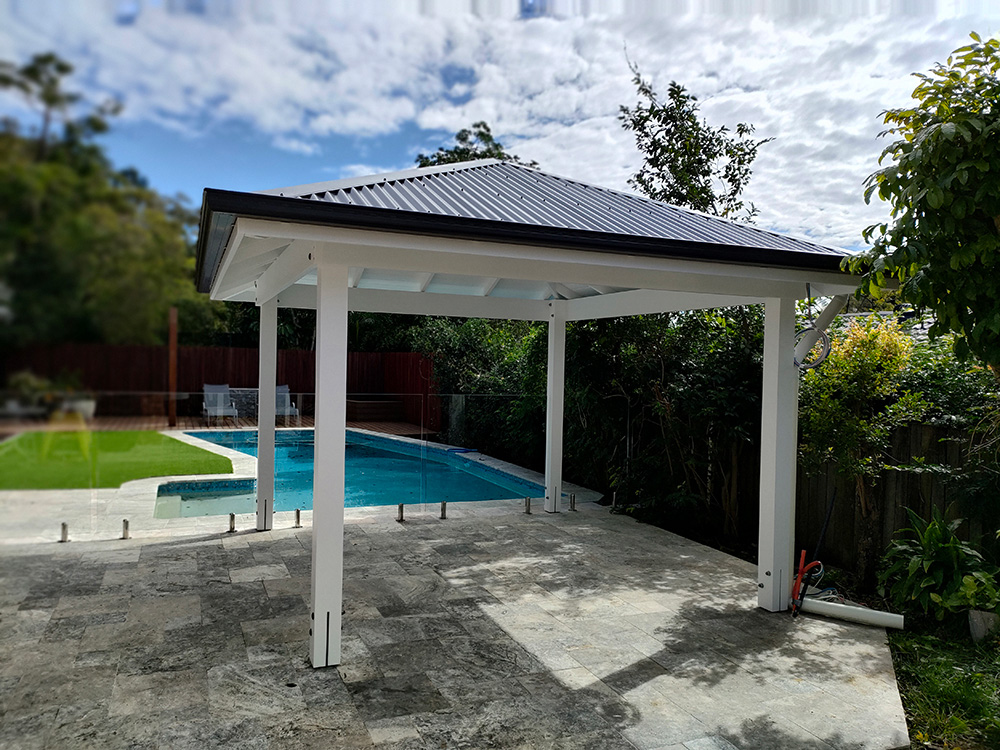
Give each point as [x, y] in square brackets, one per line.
[501, 191]
[499, 201]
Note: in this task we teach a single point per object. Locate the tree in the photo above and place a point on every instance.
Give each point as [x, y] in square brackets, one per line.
[470, 145]
[88, 253]
[686, 161]
[942, 244]
[40, 82]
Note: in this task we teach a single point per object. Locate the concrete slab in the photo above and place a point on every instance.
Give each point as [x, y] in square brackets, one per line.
[492, 628]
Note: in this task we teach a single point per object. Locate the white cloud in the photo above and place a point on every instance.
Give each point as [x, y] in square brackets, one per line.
[357, 170]
[813, 81]
[296, 145]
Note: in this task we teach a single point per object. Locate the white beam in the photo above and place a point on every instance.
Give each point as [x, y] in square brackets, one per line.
[554, 394]
[408, 252]
[290, 266]
[268, 362]
[250, 265]
[424, 281]
[563, 291]
[778, 456]
[303, 296]
[328, 465]
[232, 290]
[646, 302]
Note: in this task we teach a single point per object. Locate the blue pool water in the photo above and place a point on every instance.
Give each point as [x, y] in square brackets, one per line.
[380, 471]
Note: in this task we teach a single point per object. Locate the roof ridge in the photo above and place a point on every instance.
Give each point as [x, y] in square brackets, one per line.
[375, 179]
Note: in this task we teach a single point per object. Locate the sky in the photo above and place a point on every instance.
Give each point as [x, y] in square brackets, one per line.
[257, 94]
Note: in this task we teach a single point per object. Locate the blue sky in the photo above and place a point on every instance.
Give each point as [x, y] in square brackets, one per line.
[256, 94]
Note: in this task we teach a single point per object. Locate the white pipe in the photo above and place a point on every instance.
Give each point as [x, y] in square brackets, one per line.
[853, 614]
[821, 323]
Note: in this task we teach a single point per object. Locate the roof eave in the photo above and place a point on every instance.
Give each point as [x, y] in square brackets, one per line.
[221, 208]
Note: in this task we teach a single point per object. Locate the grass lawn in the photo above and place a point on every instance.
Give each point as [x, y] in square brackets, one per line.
[80, 460]
[950, 687]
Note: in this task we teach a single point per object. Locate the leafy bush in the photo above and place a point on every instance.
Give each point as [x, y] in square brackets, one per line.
[955, 391]
[932, 571]
[848, 411]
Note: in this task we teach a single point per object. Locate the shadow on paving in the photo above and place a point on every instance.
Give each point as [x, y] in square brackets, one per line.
[766, 734]
[203, 642]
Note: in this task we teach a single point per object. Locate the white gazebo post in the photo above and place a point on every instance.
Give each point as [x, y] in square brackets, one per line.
[778, 457]
[268, 362]
[554, 395]
[328, 464]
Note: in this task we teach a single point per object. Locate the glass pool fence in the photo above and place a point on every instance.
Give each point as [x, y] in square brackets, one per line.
[77, 439]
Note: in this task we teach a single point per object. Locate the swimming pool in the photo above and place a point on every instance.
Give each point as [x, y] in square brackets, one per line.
[380, 471]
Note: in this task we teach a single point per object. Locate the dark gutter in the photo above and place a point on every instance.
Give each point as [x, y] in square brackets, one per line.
[220, 208]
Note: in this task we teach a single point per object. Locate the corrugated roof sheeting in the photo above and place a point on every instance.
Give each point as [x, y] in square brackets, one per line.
[501, 191]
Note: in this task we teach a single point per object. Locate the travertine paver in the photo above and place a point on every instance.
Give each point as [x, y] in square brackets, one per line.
[489, 629]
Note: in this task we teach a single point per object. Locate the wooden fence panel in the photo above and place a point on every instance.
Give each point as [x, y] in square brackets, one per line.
[895, 491]
[126, 370]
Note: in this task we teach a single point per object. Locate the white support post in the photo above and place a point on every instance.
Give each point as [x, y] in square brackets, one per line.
[268, 363]
[778, 456]
[554, 394]
[328, 465]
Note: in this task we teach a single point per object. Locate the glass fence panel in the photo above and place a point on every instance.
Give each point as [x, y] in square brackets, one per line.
[196, 451]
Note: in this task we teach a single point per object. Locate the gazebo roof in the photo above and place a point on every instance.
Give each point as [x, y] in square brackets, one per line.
[495, 240]
[480, 207]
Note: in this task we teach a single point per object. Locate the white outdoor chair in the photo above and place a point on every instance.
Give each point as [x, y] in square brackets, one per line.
[283, 404]
[218, 404]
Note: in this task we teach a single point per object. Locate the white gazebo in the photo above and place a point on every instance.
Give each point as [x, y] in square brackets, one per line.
[491, 239]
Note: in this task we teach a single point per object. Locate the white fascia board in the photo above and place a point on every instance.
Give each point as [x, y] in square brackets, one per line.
[303, 296]
[228, 256]
[646, 302]
[292, 265]
[495, 259]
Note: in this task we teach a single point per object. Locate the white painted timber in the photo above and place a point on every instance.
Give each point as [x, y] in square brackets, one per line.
[418, 254]
[291, 265]
[328, 467]
[268, 363]
[778, 457]
[554, 395]
[303, 296]
[646, 302]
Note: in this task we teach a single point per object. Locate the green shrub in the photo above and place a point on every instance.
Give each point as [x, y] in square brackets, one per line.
[848, 411]
[932, 571]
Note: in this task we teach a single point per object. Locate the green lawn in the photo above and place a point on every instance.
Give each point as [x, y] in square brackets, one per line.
[79, 460]
[950, 687]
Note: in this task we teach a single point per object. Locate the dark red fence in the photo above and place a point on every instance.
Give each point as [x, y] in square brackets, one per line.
[136, 369]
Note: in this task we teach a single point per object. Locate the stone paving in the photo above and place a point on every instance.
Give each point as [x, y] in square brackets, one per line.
[491, 629]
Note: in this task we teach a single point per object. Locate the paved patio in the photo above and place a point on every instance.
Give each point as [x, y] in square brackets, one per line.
[489, 629]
